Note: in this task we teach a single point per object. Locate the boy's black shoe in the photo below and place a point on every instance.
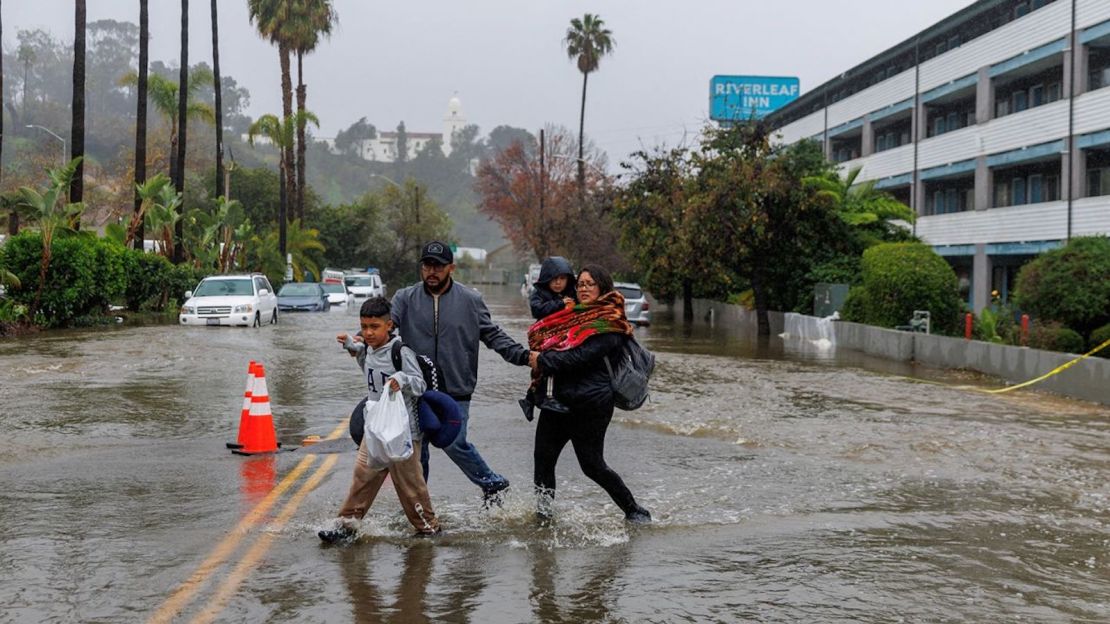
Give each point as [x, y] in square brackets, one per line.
[528, 408]
[425, 534]
[492, 495]
[639, 515]
[340, 534]
[551, 404]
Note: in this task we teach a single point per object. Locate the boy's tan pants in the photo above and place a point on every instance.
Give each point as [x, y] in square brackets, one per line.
[408, 480]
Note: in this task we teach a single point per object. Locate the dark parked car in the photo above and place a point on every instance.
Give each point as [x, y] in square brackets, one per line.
[303, 297]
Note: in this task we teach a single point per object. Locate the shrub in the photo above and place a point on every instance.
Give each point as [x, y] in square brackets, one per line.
[148, 276]
[1099, 336]
[85, 274]
[899, 278]
[1053, 336]
[1070, 285]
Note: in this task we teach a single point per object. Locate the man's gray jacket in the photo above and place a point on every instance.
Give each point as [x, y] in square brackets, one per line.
[447, 329]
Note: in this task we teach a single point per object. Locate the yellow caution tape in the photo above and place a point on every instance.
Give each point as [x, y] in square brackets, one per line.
[1055, 371]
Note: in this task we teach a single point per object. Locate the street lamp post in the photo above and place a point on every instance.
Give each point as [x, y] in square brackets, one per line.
[51, 133]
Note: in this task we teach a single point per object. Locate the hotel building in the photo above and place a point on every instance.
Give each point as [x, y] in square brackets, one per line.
[993, 125]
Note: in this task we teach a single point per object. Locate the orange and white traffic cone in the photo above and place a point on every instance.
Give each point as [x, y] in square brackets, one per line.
[246, 407]
[258, 434]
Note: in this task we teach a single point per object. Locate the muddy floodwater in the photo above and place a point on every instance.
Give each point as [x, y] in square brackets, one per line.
[787, 485]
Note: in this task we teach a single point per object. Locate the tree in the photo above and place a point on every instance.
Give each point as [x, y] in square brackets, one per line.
[162, 217]
[899, 278]
[650, 209]
[868, 210]
[140, 120]
[51, 212]
[750, 217]
[270, 17]
[281, 134]
[26, 56]
[177, 167]
[400, 252]
[1070, 285]
[148, 192]
[350, 140]
[501, 137]
[163, 93]
[13, 221]
[309, 19]
[402, 150]
[586, 41]
[535, 206]
[77, 128]
[218, 93]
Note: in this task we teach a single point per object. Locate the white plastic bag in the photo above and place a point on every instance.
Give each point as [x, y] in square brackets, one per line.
[387, 436]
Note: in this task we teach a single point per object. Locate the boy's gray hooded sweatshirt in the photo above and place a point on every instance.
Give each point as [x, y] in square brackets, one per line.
[377, 366]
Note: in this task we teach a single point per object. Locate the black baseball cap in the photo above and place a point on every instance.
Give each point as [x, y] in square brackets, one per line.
[437, 252]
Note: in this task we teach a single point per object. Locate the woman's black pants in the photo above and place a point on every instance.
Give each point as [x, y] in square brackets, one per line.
[585, 430]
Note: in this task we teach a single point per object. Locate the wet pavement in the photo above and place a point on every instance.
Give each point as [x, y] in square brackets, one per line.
[786, 484]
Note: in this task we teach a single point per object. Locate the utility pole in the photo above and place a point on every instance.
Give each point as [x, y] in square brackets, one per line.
[543, 191]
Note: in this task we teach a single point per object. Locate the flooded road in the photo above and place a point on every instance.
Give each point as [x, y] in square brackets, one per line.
[786, 486]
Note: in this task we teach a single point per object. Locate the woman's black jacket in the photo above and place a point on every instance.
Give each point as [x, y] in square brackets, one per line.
[581, 379]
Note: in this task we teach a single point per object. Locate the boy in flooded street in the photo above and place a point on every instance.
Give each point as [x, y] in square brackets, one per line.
[374, 355]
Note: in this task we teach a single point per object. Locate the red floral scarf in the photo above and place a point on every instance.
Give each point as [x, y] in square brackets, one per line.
[574, 324]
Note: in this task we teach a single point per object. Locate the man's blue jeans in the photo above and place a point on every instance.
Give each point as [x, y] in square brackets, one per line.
[467, 458]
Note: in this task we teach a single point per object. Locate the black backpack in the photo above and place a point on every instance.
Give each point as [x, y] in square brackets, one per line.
[629, 377]
[428, 369]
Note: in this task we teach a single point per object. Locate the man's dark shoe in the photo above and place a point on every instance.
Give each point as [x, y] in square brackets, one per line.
[427, 534]
[528, 408]
[492, 494]
[339, 535]
[639, 515]
[551, 404]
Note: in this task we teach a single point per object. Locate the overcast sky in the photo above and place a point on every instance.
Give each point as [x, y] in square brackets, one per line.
[397, 60]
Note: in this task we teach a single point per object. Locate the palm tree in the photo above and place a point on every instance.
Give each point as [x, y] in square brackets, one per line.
[13, 223]
[77, 129]
[177, 167]
[162, 218]
[859, 205]
[280, 133]
[270, 17]
[140, 120]
[219, 100]
[26, 55]
[162, 92]
[308, 20]
[586, 41]
[51, 212]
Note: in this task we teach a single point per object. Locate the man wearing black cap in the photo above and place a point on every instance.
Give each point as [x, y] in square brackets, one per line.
[445, 321]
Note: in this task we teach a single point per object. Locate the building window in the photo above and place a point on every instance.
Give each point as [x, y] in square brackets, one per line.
[1098, 172]
[1098, 66]
[1028, 92]
[1021, 10]
[948, 196]
[1027, 184]
[951, 116]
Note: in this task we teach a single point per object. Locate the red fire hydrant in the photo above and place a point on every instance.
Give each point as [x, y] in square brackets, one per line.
[969, 321]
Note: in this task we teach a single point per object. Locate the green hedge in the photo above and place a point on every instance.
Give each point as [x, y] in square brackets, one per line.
[1099, 336]
[85, 275]
[899, 278]
[1070, 285]
[1055, 337]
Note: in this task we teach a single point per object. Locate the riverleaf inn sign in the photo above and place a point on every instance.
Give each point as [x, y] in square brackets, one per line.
[736, 98]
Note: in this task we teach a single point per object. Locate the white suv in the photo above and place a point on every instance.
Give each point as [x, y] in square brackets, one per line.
[363, 285]
[230, 300]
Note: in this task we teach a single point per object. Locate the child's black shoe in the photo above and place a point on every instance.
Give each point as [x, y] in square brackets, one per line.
[528, 408]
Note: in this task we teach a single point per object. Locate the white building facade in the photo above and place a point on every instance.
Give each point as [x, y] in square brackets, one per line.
[383, 148]
[993, 125]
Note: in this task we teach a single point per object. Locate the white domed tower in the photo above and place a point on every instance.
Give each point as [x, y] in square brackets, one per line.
[453, 122]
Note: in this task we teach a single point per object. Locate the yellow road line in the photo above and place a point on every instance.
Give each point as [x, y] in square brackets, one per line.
[223, 550]
[249, 561]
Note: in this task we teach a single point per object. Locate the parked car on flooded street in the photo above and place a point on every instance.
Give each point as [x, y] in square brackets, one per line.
[230, 300]
[636, 306]
[337, 293]
[303, 297]
[363, 285]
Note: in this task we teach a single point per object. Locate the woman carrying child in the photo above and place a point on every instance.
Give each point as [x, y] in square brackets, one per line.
[553, 291]
[574, 343]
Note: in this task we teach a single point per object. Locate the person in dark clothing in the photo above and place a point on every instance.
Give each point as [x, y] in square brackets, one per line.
[446, 321]
[573, 345]
[553, 291]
